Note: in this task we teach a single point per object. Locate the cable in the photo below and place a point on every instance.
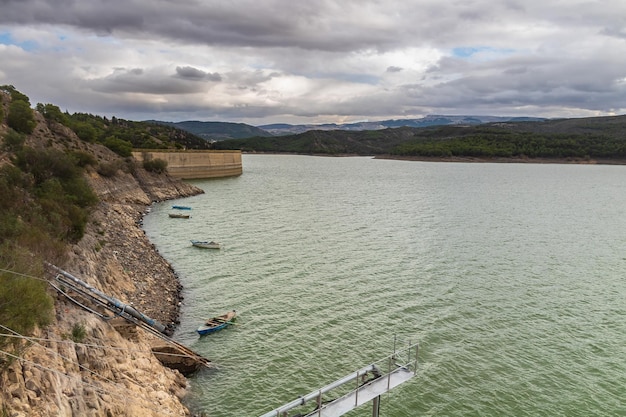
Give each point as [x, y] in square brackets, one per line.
[125, 398]
[91, 345]
[22, 275]
[77, 379]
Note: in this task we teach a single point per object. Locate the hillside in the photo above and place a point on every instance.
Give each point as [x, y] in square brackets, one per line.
[212, 131]
[78, 204]
[281, 129]
[599, 138]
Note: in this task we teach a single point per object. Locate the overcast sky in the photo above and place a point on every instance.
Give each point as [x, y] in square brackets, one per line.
[315, 61]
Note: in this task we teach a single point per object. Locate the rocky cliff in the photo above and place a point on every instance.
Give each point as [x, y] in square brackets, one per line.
[111, 371]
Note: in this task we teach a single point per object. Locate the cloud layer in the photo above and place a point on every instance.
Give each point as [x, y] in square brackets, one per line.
[317, 61]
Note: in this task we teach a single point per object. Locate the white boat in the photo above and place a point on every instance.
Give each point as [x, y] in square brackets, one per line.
[179, 216]
[206, 245]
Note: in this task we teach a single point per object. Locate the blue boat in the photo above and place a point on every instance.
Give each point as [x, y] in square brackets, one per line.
[217, 323]
[181, 207]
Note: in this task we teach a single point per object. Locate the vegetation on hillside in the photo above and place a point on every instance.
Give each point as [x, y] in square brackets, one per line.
[217, 130]
[587, 138]
[123, 135]
[45, 198]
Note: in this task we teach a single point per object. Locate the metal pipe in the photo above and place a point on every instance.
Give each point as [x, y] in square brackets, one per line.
[117, 303]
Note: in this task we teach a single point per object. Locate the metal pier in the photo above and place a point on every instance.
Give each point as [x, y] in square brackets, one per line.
[365, 385]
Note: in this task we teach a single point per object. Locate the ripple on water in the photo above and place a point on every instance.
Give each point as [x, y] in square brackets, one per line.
[509, 276]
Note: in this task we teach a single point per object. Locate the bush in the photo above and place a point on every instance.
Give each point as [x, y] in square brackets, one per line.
[13, 141]
[44, 164]
[15, 95]
[156, 165]
[25, 301]
[119, 146]
[83, 159]
[78, 332]
[21, 117]
[84, 131]
[63, 194]
[52, 112]
[108, 169]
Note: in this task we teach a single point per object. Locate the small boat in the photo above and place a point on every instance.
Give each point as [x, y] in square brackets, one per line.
[206, 245]
[181, 207]
[217, 323]
[179, 216]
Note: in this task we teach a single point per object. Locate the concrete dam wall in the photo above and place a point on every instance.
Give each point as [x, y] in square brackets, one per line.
[192, 164]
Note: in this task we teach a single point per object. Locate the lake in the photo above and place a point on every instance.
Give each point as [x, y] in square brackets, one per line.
[510, 276]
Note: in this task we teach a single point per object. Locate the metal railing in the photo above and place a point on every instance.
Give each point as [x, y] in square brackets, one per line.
[356, 388]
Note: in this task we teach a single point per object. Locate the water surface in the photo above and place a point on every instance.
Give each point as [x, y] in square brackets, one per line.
[510, 276]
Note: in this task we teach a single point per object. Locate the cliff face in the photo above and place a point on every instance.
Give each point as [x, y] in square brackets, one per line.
[111, 371]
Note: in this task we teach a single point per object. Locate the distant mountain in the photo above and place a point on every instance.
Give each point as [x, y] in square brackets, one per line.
[213, 131]
[280, 129]
[586, 140]
[218, 131]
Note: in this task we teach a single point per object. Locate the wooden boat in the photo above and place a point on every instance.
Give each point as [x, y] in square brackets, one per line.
[179, 216]
[217, 323]
[181, 207]
[206, 245]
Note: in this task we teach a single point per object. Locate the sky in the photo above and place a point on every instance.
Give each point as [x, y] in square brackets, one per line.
[317, 61]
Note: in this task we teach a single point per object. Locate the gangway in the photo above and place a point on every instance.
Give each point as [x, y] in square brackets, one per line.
[366, 384]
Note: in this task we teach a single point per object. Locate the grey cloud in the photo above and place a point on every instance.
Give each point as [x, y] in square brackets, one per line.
[137, 80]
[196, 74]
[556, 57]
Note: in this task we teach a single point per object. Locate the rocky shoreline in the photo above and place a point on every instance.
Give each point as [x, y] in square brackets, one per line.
[112, 370]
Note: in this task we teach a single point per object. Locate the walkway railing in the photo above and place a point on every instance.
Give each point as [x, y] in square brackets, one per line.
[355, 389]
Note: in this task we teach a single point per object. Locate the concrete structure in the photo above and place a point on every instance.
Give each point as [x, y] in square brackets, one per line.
[190, 164]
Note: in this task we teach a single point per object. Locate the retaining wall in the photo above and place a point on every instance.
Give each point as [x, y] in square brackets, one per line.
[192, 164]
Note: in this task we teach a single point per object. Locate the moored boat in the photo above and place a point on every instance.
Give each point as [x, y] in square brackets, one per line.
[205, 244]
[179, 216]
[181, 207]
[217, 323]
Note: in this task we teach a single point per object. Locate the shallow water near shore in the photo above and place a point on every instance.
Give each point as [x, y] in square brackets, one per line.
[510, 276]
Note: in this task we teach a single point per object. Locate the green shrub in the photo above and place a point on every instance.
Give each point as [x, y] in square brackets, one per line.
[78, 332]
[84, 131]
[24, 300]
[44, 164]
[156, 165]
[108, 169]
[83, 159]
[63, 195]
[21, 118]
[119, 146]
[52, 112]
[13, 141]
[15, 95]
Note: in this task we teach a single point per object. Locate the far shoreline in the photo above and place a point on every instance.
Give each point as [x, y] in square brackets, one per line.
[503, 160]
[469, 159]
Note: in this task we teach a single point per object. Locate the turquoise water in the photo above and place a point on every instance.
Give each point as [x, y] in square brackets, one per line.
[510, 276]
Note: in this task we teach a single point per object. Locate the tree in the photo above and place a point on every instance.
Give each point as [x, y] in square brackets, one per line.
[21, 117]
[84, 131]
[52, 112]
[13, 141]
[15, 95]
[119, 146]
